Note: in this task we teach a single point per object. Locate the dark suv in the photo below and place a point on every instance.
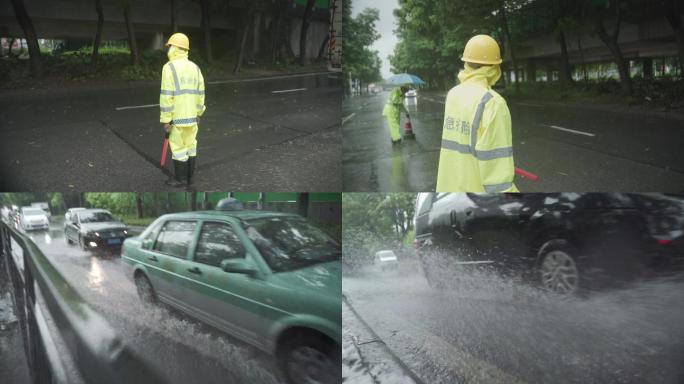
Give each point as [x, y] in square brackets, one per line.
[564, 242]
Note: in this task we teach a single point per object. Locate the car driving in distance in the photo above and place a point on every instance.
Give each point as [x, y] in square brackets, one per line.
[94, 228]
[33, 218]
[270, 279]
[564, 242]
[386, 260]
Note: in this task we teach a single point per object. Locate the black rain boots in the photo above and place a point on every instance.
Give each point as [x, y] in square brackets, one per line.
[191, 169]
[179, 170]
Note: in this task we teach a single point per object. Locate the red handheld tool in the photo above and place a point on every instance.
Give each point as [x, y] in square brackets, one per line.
[525, 174]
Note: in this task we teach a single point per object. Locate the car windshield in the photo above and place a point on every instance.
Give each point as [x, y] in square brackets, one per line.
[288, 243]
[95, 217]
[32, 211]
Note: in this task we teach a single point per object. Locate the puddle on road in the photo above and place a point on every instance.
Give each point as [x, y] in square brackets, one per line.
[630, 335]
[183, 349]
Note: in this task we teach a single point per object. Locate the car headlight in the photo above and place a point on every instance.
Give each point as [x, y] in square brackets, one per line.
[125, 232]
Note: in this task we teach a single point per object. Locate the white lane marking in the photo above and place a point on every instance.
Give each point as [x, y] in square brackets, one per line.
[434, 100]
[530, 105]
[348, 118]
[266, 78]
[136, 106]
[571, 130]
[290, 90]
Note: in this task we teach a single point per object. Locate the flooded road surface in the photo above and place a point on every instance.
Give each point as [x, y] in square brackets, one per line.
[490, 330]
[562, 143]
[182, 349]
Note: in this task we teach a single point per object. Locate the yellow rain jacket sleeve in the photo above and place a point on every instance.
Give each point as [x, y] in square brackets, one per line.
[477, 144]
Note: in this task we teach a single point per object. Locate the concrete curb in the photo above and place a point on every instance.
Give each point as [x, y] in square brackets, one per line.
[113, 85]
[377, 357]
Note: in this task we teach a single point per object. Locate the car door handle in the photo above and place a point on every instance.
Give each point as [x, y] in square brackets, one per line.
[153, 258]
[195, 271]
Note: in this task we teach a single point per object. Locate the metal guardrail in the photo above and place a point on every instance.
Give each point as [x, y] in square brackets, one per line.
[98, 353]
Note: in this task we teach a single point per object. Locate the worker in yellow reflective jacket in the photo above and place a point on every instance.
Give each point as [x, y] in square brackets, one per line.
[181, 103]
[477, 144]
[392, 112]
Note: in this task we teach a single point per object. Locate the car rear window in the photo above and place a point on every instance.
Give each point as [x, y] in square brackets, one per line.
[218, 242]
[175, 238]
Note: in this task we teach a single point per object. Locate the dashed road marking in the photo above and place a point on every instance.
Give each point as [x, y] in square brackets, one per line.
[136, 106]
[570, 130]
[266, 78]
[348, 118]
[290, 90]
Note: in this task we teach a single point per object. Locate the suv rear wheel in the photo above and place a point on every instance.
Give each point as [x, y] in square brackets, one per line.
[145, 290]
[558, 270]
[310, 359]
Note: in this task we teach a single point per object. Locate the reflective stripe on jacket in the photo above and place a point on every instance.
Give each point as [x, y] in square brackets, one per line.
[477, 143]
[181, 98]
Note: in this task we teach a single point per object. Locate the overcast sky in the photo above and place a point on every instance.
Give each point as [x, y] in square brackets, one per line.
[385, 26]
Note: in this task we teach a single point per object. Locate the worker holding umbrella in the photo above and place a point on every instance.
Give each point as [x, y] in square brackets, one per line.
[395, 104]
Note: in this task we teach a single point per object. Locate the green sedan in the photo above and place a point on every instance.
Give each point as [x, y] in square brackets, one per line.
[270, 279]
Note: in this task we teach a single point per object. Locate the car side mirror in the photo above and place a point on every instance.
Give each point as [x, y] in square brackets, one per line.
[238, 266]
[147, 244]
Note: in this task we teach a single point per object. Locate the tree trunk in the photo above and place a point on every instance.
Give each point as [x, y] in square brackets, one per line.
[243, 40]
[174, 16]
[611, 42]
[275, 30]
[673, 16]
[584, 64]
[510, 46]
[30, 35]
[565, 76]
[647, 68]
[139, 205]
[303, 203]
[206, 30]
[324, 45]
[531, 71]
[193, 201]
[98, 36]
[306, 21]
[132, 44]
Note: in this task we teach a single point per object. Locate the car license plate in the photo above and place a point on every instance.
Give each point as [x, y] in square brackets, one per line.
[113, 241]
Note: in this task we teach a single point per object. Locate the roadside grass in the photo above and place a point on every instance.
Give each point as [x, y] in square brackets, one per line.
[114, 64]
[663, 94]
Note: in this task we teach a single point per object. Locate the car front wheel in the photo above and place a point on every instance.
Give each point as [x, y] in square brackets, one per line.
[308, 359]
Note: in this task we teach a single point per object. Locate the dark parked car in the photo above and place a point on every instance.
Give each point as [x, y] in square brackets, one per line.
[564, 242]
[95, 228]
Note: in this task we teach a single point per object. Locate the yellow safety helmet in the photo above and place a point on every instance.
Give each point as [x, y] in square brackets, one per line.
[179, 40]
[482, 49]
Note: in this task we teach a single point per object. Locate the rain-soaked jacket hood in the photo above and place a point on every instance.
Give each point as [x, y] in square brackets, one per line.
[488, 73]
[176, 53]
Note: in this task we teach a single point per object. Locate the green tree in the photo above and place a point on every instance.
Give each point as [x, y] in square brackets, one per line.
[359, 59]
[374, 221]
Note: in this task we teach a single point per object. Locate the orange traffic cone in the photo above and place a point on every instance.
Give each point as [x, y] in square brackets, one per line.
[408, 130]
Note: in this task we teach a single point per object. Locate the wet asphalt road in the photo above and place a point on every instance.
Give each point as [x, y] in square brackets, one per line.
[624, 151]
[495, 331]
[181, 349]
[279, 133]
